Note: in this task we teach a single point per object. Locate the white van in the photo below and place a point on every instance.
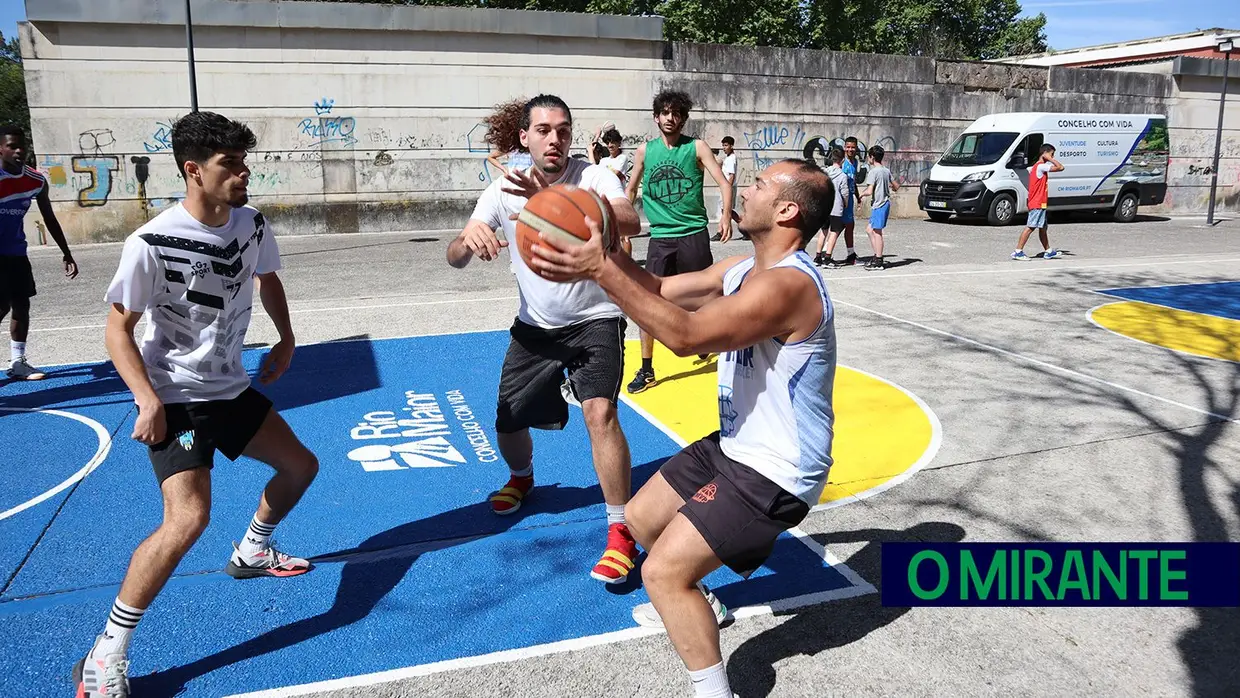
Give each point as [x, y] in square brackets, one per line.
[1112, 162]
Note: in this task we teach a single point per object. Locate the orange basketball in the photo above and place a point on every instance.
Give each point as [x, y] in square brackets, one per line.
[561, 210]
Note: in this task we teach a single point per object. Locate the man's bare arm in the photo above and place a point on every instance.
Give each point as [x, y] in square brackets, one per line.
[635, 176]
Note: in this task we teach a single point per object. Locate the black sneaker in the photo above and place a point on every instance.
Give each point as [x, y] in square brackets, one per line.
[820, 259]
[875, 264]
[850, 260]
[644, 379]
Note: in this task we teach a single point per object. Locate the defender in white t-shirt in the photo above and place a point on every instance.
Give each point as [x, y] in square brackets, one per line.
[725, 499]
[560, 327]
[191, 272]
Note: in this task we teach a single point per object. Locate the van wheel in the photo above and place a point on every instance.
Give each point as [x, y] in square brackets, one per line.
[938, 216]
[1002, 210]
[1126, 208]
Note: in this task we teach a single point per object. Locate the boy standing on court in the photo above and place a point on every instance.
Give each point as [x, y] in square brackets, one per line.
[835, 220]
[191, 272]
[669, 169]
[1039, 177]
[730, 170]
[19, 185]
[879, 184]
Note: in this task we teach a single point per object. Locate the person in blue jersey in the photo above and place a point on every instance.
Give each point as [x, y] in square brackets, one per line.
[725, 499]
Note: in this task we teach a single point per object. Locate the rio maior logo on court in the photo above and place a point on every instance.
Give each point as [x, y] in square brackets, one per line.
[418, 435]
[706, 494]
[668, 184]
[186, 439]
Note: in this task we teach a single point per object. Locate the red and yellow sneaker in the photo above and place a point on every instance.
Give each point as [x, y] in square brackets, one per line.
[619, 558]
[509, 497]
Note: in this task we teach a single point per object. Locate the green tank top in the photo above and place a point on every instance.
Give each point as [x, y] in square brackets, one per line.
[672, 189]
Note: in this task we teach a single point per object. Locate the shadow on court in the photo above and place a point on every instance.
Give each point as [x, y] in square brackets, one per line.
[751, 668]
[374, 568]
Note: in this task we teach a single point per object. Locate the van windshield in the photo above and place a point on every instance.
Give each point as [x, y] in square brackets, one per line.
[978, 149]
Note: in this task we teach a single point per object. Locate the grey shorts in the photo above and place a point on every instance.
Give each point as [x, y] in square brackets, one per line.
[1037, 218]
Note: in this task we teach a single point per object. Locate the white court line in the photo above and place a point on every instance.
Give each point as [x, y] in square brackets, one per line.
[858, 587]
[1089, 315]
[1039, 362]
[932, 449]
[326, 310]
[105, 445]
[1026, 268]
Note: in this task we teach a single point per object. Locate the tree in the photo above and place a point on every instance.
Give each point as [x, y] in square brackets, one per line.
[965, 29]
[13, 106]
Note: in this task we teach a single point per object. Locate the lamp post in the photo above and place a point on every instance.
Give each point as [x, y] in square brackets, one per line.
[1226, 45]
[189, 46]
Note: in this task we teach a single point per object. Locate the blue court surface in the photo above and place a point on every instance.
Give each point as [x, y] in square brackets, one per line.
[411, 565]
[1219, 299]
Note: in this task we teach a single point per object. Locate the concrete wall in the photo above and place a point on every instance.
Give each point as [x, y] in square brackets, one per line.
[368, 117]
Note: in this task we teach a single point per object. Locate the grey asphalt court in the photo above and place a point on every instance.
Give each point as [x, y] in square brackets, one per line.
[1053, 430]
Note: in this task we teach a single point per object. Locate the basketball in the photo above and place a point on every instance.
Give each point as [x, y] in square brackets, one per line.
[561, 210]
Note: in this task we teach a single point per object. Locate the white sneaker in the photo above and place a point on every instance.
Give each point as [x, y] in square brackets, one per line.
[21, 370]
[647, 617]
[102, 678]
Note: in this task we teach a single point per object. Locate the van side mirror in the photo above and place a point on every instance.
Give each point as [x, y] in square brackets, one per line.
[1018, 162]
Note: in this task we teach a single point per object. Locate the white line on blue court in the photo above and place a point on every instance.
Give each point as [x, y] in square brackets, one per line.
[105, 445]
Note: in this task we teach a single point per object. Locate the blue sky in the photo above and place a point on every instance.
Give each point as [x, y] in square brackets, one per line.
[1070, 23]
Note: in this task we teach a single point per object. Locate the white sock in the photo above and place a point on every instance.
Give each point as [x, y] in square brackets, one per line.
[257, 537]
[852, 250]
[527, 471]
[119, 630]
[18, 349]
[711, 682]
[615, 514]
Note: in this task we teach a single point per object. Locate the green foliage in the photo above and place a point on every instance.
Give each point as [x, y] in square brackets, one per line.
[13, 107]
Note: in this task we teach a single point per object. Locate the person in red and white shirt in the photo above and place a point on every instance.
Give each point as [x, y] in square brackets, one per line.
[1039, 177]
[19, 186]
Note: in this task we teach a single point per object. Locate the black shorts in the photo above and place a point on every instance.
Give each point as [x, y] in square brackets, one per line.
[680, 255]
[532, 389]
[16, 278]
[739, 512]
[835, 224]
[197, 429]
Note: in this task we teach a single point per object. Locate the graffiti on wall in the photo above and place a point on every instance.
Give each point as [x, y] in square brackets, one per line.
[328, 128]
[161, 138]
[100, 168]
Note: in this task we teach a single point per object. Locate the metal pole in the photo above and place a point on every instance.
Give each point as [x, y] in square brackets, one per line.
[189, 45]
[1218, 140]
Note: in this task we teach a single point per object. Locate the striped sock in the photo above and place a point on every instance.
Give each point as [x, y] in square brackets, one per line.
[527, 471]
[119, 630]
[615, 514]
[257, 537]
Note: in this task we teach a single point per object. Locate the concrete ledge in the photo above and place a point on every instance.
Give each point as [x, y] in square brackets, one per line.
[348, 16]
[976, 75]
[1110, 82]
[790, 62]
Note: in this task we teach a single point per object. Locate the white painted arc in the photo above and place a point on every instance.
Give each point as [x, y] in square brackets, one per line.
[101, 453]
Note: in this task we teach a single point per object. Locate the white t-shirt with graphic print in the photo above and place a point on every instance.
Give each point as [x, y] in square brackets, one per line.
[195, 285]
[549, 304]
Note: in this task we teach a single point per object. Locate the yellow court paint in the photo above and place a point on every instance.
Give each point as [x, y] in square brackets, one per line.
[883, 434]
[1192, 333]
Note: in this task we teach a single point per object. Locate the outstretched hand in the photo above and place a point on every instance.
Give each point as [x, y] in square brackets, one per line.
[521, 184]
[559, 260]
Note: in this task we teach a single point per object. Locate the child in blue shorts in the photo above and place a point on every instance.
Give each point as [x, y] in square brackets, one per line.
[879, 184]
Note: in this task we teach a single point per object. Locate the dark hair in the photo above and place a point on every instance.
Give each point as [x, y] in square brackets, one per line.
[851, 139]
[199, 135]
[13, 130]
[811, 190]
[545, 102]
[836, 156]
[504, 125]
[1047, 148]
[728, 140]
[877, 152]
[677, 101]
[612, 136]
[600, 151]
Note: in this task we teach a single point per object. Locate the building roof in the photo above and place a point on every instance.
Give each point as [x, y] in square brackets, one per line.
[1199, 43]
